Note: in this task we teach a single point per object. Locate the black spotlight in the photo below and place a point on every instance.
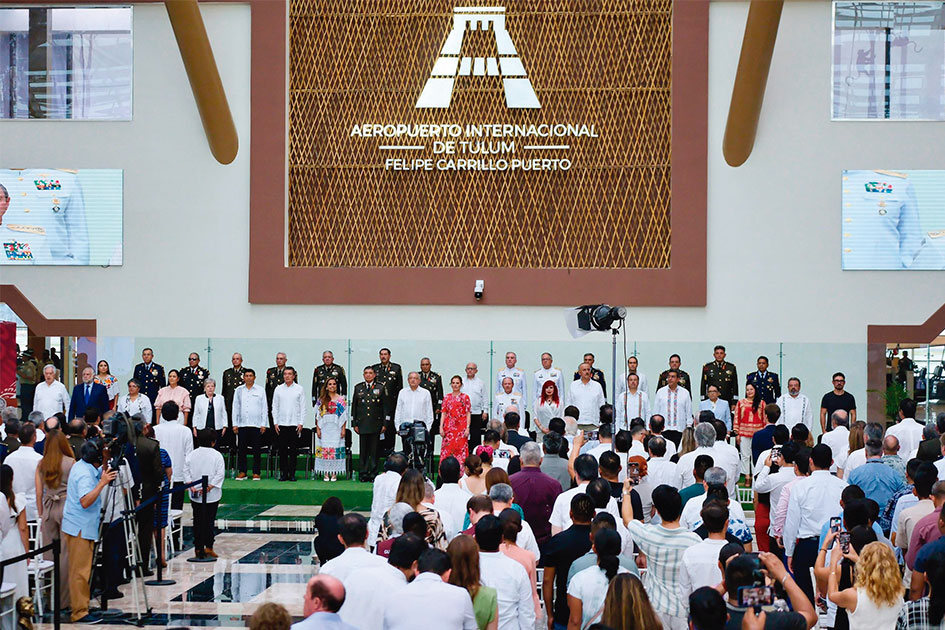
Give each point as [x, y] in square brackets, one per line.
[602, 317]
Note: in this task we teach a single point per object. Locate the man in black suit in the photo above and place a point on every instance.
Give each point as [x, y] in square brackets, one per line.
[88, 395]
[513, 438]
[150, 375]
[930, 449]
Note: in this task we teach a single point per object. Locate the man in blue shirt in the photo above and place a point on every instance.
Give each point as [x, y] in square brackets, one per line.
[877, 480]
[81, 518]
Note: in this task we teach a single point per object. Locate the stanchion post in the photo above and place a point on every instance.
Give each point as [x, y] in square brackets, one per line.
[57, 555]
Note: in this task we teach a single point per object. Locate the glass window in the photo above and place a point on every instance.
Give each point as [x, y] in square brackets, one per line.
[889, 61]
[65, 63]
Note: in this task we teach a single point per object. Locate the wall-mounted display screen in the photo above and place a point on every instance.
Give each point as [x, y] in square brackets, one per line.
[893, 220]
[889, 61]
[61, 216]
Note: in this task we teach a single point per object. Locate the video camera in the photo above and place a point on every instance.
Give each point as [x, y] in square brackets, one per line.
[414, 435]
[118, 431]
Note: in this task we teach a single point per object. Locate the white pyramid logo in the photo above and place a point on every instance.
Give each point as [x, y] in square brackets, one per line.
[438, 91]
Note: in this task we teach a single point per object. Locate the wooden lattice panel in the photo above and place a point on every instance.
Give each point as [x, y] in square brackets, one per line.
[602, 63]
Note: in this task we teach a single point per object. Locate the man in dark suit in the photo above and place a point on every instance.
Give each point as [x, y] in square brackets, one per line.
[930, 449]
[12, 441]
[87, 395]
[513, 438]
[150, 375]
[151, 475]
[370, 413]
[391, 376]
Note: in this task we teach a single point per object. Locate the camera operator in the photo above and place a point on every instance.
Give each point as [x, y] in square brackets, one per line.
[147, 454]
[81, 519]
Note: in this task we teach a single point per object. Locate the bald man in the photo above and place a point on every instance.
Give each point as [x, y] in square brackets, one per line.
[324, 596]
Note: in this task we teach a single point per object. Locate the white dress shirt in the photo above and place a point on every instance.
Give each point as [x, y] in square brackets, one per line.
[414, 404]
[24, 461]
[630, 406]
[384, 496]
[250, 408]
[368, 593]
[660, 471]
[813, 501]
[726, 456]
[675, 407]
[513, 587]
[622, 383]
[51, 399]
[795, 410]
[909, 434]
[139, 406]
[774, 484]
[429, 599]
[940, 464]
[178, 441]
[476, 390]
[561, 511]
[288, 405]
[853, 461]
[588, 398]
[519, 382]
[201, 404]
[204, 461]
[350, 560]
[503, 401]
[551, 374]
[670, 447]
[700, 566]
[839, 442]
[451, 499]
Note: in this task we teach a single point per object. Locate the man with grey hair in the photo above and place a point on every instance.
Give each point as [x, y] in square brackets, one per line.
[535, 491]
[414, 403]
[502, 496]
[705, 443]
[838, 439]
[478, 403]
[552, 464]
[50, 396]
[714, 476]
[930, 449]
[6, 414]
[878, 481]
[88, 395]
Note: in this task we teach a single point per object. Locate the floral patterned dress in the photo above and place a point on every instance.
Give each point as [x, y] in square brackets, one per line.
[455, 408]
[330, 452]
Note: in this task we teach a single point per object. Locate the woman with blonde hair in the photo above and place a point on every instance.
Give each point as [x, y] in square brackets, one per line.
[627, 606]
[687, 443]
[464, 559]
[412, 492]
[52, 477]
[874, 600]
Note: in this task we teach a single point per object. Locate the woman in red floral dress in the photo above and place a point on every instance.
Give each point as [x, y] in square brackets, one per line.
[454, 422]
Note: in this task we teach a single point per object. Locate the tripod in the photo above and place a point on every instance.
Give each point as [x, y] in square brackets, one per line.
[115, 493]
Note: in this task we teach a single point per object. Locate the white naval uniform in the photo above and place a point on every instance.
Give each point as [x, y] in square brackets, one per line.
[503, 401]
[45, 221]
[519, 383]
[551, 374]
[795, 410]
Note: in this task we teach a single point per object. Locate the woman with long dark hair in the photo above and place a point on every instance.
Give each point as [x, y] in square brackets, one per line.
[103, 377]
[327, 545]
[176, 392]
[332, 419]
[549, 405]
[749, 417]
[464, 559]
[412, 491]
[587, 591]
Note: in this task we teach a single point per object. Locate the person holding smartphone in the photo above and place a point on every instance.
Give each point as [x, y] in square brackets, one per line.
[760, 569]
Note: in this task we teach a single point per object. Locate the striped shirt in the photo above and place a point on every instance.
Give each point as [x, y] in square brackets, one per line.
[664, 549]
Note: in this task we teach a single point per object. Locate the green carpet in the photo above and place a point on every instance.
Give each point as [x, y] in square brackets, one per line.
[353, 494]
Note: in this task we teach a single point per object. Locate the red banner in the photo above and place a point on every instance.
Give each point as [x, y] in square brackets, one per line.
[8, 362]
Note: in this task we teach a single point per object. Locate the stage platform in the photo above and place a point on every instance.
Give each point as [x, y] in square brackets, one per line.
[354, 495]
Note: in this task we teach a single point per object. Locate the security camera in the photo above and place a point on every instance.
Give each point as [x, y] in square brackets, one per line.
[477, 292]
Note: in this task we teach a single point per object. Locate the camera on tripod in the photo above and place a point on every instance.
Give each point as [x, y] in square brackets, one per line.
[414, 435]
[118, 432]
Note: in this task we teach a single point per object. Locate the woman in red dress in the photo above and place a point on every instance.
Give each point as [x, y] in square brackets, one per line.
[454, 422]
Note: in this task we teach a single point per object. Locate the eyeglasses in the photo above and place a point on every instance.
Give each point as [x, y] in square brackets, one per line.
[839, 380]
[193, 359]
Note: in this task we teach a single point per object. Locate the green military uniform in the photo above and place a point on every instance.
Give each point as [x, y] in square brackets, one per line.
[371, 412]
[723, 375]
[684, 380]
[30, 372]
[232, 378]
[193, 379]
[433, 383]
[274, 378]
[322, 374]
[391, 376]
[76, 442]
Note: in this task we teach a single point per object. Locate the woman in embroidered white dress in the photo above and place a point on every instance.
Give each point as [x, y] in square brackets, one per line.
[330, 428]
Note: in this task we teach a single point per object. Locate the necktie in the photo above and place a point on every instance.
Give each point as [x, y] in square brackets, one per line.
[211, 422]
[88, 390]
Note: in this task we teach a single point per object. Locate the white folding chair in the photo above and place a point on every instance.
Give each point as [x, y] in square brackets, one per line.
[40, 569]
[175, 528]
[7, 606]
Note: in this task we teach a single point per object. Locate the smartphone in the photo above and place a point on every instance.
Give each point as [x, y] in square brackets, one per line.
[775, 453]
[591, 436]
[835, 523]
[633, 473]
[844, 538]
[755, 597]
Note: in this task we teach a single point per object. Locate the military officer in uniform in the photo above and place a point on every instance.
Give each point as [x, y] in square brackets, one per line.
[766, 383]
[274, 378]
[232, 378]
[722, 374]
[42, 218]
[29, 372]
[150, 375]
[596, 375]
[548, 373]
[370, 417]
[433, 383]
[508, 398]
[881, 225]
[391, 377]
[518, 378]
[683, 379]
[193, 377]
[328, 369]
